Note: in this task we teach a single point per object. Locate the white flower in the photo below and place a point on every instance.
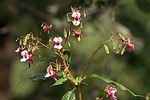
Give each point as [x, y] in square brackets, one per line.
[50, 73]
[76, 23]
[76, 14]
[25, 56]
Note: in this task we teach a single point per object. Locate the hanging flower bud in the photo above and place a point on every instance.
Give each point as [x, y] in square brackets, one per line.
[50, 73]
[110, 92]
[57, 42]
[18, 50]
[77, 33]
[45, 27]
[130, 46]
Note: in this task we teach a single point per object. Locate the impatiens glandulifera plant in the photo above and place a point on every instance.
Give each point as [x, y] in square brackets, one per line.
[60, 66]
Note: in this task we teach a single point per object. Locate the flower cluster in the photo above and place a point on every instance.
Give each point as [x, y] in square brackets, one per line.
[60, 65]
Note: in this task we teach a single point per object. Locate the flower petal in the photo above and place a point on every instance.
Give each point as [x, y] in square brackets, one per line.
[23, 59]
[47, 75]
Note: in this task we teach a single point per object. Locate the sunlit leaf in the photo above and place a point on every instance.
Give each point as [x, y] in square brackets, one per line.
[70, 95]
[60, 81]
[115, 83]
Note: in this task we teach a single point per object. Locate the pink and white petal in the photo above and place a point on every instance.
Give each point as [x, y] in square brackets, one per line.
[47, 75]
[60, 39]
[58, 46]
[24, 53]
[76, 14]
[55, 39]
[23, 59]
[18, 50]
[76, 23]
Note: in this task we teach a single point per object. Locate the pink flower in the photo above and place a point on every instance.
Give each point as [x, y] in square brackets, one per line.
[76, 18]
[18, 50]
[26, 56]
[57, 42]
[76, 14]
[110, 92]
[130, 46]
[50, 73]
[77, 34]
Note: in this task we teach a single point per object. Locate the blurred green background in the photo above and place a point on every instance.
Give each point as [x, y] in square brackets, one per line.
[19, 17]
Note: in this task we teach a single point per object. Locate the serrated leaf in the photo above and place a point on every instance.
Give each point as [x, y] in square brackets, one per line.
[70, 95]
[106, 49]
[60, 81]
[40, 76]
[115, 83]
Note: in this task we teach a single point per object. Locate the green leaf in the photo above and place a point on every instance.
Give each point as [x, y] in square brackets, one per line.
[60, 81]
[59, 74]
[115, 83]
[42, 60]
[70, 95]
[40, 76]
[106, 49]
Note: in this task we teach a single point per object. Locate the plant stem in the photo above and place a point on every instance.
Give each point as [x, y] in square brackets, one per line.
[80, 96]
[93, 56]
[68, 71]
